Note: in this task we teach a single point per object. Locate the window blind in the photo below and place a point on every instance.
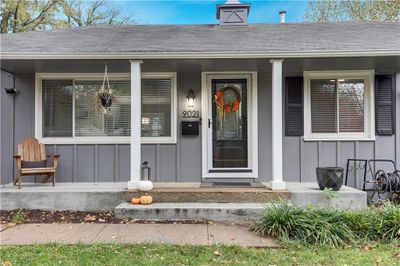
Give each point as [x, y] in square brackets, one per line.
[91, 119]
[323, 106]
[156, 107]
[351, 105]
[57, 108]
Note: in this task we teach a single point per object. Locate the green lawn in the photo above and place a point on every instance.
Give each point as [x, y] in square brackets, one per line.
[152, 254]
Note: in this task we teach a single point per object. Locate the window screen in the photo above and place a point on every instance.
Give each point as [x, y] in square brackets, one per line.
[351, 105]
[57, 108]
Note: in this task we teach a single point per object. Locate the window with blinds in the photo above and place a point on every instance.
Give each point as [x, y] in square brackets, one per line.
[156, 108]
[323, 106]
[69, 103]
[92, 120]
[337, 105]
[57, 108]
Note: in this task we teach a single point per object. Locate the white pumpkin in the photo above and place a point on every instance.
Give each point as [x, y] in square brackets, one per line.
[145, 185]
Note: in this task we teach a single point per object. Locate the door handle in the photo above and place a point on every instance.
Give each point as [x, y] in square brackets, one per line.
[210, 123]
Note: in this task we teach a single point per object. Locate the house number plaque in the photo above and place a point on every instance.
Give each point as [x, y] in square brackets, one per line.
[191, 114]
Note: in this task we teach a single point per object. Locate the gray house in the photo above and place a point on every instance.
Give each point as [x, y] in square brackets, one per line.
[231, 102]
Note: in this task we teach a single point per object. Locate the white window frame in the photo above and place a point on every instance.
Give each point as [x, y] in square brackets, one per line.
[107, 139]
[369, 110]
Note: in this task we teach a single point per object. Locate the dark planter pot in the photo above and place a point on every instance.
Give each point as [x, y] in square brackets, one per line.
[330, 177]
[106, 101]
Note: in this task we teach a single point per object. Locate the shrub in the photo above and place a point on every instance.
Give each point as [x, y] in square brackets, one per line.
[328, 226]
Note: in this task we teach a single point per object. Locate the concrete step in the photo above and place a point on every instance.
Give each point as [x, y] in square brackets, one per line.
[211, 195]
[222, 212]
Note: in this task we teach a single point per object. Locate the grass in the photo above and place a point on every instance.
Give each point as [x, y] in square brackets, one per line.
[152, 254]
[18, 218]
[329, 226]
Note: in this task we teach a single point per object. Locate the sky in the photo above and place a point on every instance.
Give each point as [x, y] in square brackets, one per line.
[203, 11]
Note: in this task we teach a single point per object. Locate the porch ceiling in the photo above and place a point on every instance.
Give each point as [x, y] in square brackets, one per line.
[387, 64]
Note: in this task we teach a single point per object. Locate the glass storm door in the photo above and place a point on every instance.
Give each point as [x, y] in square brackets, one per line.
[228, 138]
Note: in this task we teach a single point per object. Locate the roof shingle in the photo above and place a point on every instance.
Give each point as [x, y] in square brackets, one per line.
[252, 38]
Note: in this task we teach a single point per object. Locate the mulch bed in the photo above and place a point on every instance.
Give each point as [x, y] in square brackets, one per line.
[48, 217]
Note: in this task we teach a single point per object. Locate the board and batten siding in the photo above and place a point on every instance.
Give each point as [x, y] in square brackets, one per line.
[302, 157]
[180, 162]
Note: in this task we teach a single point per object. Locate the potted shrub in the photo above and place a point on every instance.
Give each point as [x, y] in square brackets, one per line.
[330, 177]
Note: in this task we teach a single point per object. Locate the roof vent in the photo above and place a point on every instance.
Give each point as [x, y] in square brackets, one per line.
[233, 13]
[282, 15]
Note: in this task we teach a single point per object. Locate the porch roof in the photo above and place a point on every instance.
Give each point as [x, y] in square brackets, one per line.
[266, 39]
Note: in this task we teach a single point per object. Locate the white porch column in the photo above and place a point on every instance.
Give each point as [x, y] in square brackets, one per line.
[136, 113]
[277, 139]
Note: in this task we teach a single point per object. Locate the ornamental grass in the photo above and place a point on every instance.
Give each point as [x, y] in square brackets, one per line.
[329, 226]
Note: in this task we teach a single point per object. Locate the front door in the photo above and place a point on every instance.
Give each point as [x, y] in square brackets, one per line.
[229, 126]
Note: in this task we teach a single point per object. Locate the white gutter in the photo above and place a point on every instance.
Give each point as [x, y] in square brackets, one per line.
[189, 55]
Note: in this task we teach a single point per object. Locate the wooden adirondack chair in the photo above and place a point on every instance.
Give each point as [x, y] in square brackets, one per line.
[31, 160]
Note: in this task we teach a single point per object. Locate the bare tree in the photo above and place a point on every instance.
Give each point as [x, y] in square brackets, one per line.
[26, 15]
[353, 10]
[80, 13]
[29, 15]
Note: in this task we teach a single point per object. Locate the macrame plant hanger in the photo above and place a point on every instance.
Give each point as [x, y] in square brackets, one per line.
[105, 94]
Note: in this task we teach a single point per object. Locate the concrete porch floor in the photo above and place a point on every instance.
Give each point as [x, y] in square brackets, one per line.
[107, 196]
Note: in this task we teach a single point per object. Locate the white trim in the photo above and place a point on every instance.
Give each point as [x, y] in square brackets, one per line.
[197, 55]
[252, 90]
[136, 125]
[369, 114]
[109, 139]
[277, 125]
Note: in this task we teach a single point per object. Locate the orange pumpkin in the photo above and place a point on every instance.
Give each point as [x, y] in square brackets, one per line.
[147, 199]
[135, 201]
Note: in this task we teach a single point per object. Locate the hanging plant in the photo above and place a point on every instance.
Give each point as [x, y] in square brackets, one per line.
[105, 97]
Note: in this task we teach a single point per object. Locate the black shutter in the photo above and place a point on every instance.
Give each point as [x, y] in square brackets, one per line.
[385, 105]
[294, 106]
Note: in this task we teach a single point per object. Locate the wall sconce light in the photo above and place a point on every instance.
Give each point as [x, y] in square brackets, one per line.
[190, 98]
[10, 90]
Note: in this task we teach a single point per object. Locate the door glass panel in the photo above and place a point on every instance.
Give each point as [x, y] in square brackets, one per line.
[229, 127]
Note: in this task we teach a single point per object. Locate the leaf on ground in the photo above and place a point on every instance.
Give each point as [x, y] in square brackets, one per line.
[216, 253]
[366, 247]
[6, 263]
[11, 225]
[90, 218]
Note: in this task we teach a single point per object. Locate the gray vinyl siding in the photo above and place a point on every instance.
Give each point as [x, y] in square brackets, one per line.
[181, 162]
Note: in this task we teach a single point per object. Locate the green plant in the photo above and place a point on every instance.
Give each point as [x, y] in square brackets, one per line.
[330, 195]
[329, 226]
[18, 218]
[310, 226]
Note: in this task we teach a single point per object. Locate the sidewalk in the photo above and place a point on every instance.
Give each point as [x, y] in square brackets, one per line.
[176, 234]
